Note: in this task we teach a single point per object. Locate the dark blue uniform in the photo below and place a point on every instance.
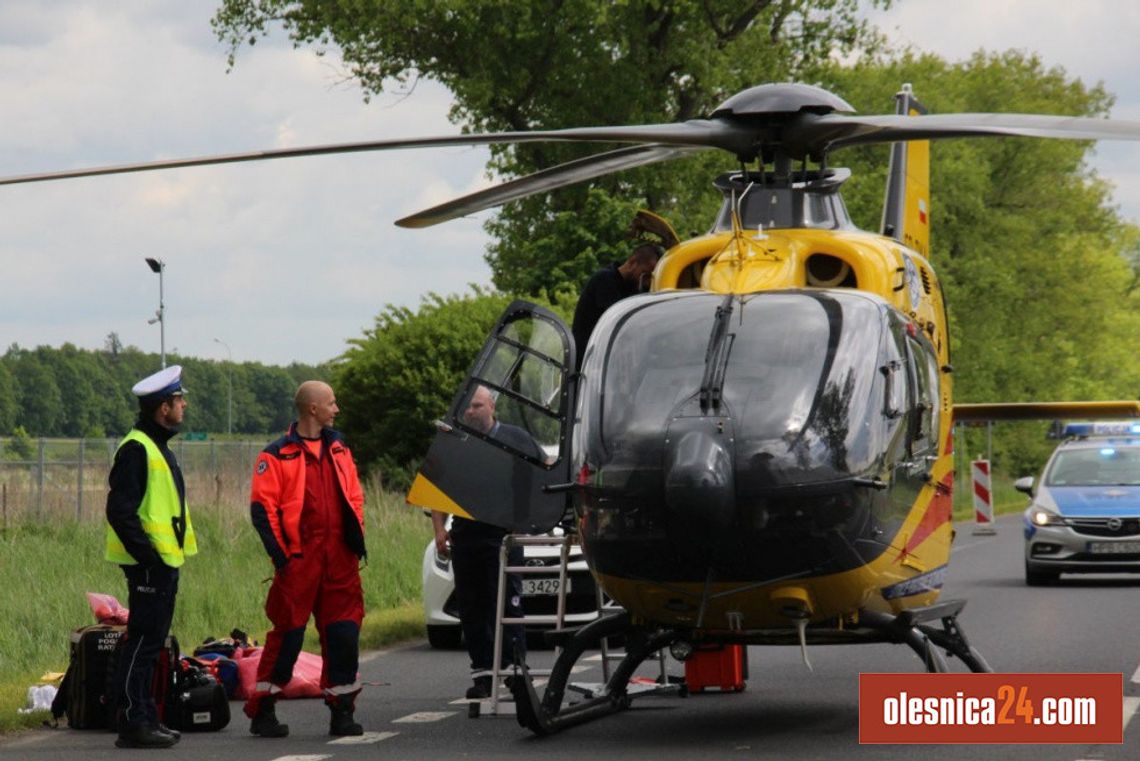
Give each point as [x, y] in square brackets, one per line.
[475, 562]
[152, 586]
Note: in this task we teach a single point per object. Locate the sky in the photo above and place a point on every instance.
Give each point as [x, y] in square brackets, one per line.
[288, 260]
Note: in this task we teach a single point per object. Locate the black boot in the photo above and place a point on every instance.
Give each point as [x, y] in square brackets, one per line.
[168, 731]
[341, 723]
[265, 722]
[481, 688]
[144, 736]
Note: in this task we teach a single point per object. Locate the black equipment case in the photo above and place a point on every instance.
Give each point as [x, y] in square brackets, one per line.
[85, 694]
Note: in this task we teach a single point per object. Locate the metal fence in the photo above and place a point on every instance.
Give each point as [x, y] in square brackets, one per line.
[66, 479]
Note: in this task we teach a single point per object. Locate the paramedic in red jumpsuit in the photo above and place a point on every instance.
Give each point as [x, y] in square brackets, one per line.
[307, 505]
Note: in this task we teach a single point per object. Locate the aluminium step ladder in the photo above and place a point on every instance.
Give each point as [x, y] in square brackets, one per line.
[604, 605]
[563, 542]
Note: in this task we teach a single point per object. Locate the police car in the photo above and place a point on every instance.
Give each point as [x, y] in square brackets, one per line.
[1084, 515]
[540, 592]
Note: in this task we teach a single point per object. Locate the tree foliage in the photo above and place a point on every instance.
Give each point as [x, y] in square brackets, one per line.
[76, 392]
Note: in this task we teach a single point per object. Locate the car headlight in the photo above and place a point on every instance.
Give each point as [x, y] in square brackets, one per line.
[1039, 516]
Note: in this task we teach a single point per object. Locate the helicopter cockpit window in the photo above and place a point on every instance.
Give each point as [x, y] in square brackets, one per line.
[774, 208]
[515, 394]
[800, 368]
[927, 412]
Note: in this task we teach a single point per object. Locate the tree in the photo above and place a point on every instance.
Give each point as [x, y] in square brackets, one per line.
[8, 410]
[39, 400]
[112, 345]
[545, 64]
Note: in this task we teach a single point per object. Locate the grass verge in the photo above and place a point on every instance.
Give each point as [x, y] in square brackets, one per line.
[48, 568]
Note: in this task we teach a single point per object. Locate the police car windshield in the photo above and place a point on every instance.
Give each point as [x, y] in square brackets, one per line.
[1104, 465]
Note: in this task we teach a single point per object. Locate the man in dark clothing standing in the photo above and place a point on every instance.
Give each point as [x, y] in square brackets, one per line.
[474, 549]
[607, 287]
[149, 535]
[307, 505]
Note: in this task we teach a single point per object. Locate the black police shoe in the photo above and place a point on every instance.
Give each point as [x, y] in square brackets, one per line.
[144, 736]
[481, 688]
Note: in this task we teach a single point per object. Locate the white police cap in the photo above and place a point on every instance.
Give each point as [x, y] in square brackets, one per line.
[164, 383]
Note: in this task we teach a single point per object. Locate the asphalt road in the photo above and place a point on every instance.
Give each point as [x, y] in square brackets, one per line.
[411, 708]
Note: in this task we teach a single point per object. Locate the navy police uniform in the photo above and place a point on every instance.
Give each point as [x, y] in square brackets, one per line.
[149, 534]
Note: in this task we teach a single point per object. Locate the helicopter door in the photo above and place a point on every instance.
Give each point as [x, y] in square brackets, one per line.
[505, 441]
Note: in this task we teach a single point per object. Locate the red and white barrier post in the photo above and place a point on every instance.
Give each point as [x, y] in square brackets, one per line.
[983, 497]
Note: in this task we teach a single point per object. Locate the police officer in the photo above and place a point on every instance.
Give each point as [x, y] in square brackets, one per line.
[149, 535]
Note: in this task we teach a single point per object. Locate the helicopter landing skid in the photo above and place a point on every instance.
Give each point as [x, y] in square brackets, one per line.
[547, 716]
[913, 628]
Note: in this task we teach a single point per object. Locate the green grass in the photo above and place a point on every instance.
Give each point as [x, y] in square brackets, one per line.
[1006, 499]
[48, 568]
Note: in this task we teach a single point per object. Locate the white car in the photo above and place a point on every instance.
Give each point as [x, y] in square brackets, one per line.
[539, 593]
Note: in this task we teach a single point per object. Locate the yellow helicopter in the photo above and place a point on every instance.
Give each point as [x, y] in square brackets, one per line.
[759, 450]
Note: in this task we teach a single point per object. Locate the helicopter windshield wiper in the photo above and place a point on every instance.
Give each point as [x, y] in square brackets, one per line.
[716, 357]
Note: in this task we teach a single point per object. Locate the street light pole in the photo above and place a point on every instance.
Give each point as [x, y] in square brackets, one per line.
[158, 266]
[230, 396]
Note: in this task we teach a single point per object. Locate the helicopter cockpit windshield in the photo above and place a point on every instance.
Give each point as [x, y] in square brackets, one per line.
[800, 382]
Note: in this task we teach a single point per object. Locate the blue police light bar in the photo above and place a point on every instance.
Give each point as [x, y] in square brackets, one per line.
[1115, 428]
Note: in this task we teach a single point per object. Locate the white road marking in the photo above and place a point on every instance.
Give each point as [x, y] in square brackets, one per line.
[1130, 706]
[310, 757]
[1136, 676]
[423, 717]
[365, 739]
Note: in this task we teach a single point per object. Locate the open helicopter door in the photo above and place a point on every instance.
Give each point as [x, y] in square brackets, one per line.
[501, 455]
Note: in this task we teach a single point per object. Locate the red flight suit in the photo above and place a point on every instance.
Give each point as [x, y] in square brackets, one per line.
[307, 505]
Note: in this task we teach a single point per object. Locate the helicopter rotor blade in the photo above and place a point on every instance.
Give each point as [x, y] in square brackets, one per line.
[549, 179]
[714, 133]
[836, 131]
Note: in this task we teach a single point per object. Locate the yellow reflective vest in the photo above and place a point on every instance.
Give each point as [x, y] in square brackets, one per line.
[159, 508]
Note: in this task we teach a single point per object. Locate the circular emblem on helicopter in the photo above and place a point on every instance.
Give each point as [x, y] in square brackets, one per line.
[1114, 524]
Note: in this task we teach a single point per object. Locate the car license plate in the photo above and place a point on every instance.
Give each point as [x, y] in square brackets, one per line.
[542, 586]
[1114, 548]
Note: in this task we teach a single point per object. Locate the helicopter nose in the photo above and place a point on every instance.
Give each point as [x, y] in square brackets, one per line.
[700, 486]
